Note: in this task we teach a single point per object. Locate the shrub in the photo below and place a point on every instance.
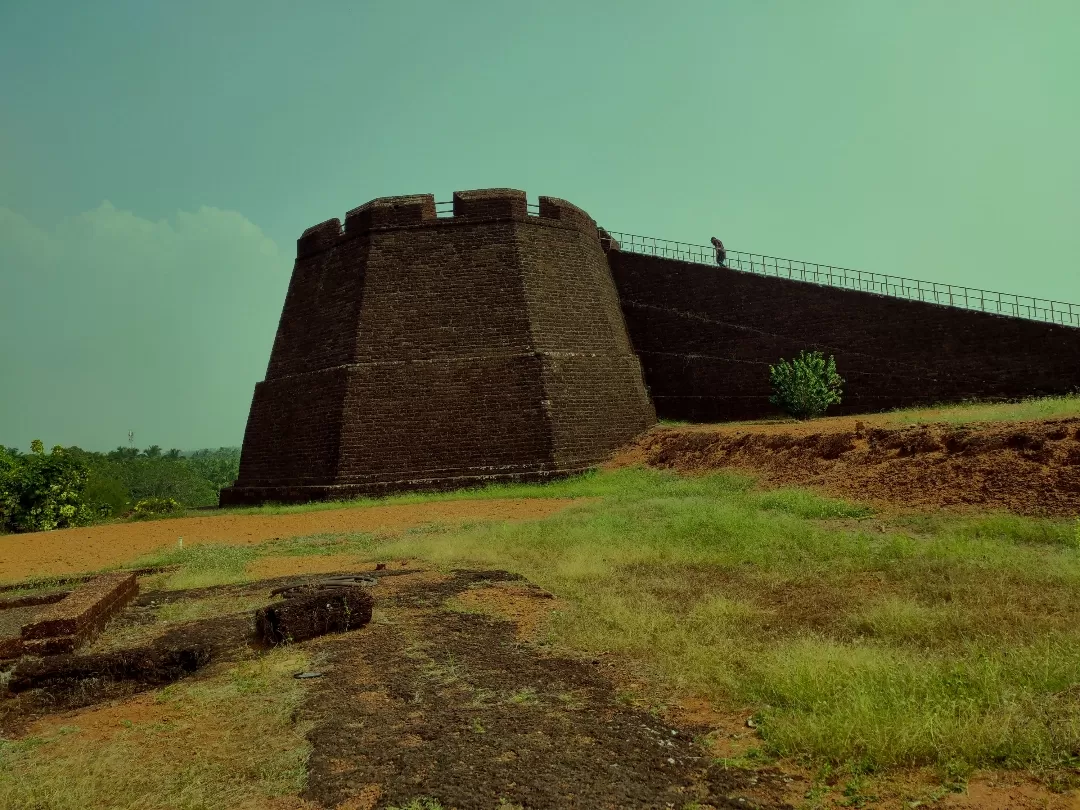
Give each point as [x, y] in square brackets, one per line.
[806, 386]
[151, 507]
[40, 492]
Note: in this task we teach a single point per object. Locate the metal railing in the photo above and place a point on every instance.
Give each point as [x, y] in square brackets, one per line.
[1017, 306]
[445, 208]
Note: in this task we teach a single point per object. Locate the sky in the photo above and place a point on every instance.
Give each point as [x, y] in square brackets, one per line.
[159, 160]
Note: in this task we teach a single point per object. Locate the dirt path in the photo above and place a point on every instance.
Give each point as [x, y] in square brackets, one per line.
[71, 551]
[1030, 468]
[453, 706]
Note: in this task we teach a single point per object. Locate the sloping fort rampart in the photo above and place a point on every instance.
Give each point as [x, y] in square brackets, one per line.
[509, 343]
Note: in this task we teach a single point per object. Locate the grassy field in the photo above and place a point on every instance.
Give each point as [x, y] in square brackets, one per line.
[227, 741]
[960, 413]
[1039, 408]
[862, 644]
[933, 641]
[1028, 409]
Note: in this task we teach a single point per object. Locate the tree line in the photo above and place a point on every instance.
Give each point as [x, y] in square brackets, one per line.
[69, 486]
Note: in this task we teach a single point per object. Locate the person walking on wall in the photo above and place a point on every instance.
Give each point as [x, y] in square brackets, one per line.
[721, 254]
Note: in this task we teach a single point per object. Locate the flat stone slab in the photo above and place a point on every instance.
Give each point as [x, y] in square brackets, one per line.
[64, 625]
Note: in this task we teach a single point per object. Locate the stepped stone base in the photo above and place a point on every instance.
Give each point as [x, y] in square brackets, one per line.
[65, 625]
[256, 495]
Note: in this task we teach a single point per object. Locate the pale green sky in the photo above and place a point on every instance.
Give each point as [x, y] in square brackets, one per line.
[159, 160]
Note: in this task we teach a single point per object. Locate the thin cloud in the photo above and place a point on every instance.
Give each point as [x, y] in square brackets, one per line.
[112, 322]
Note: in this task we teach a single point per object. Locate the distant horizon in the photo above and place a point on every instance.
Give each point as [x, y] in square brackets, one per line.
[164, 449]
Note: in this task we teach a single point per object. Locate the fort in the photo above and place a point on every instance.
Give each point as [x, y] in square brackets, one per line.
[507, 342]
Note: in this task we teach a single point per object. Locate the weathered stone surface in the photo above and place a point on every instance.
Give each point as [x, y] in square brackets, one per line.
[303, 617]
[10, 647]
[148, 665]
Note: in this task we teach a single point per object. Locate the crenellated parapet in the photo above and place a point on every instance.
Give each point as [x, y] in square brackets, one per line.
[566, 214]
[418, 211]
[608, 242]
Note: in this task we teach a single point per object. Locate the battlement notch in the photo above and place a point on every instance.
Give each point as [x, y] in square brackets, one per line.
[607, 241]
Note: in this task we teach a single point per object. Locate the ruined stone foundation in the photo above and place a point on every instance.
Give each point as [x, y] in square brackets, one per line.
[425, 352]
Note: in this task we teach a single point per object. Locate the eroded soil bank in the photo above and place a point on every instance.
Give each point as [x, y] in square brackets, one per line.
[1030, 468]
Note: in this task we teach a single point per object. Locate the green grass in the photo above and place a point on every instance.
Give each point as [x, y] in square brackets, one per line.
[952, 413]
[199, 566]
[960, 413]
[576, 487]
[953, 639]
[861, 642]
[924, 640]
[222, 742]
[1032, 408]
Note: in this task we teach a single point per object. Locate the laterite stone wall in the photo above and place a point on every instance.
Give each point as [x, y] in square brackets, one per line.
[707, 335]
[417, 351]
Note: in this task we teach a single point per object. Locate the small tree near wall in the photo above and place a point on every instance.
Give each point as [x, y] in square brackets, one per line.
[806, 386]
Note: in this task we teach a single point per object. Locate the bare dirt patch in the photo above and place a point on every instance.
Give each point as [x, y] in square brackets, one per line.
[527, 607]
[987, 793]
[104, 722]
[1029, 468]
[68, 551]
